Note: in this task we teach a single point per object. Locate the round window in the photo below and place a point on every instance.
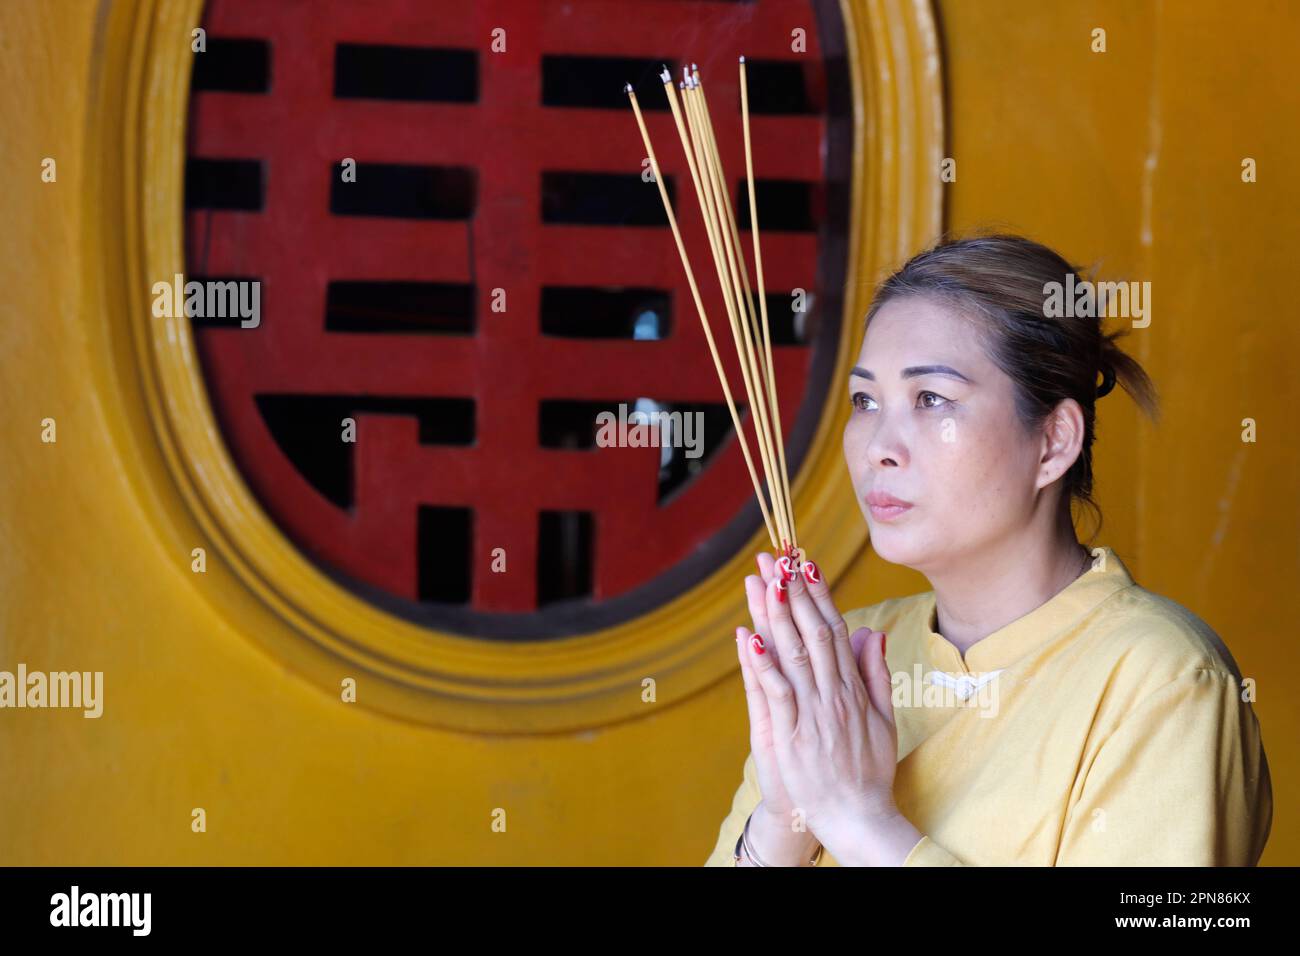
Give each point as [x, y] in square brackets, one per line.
[448, 295]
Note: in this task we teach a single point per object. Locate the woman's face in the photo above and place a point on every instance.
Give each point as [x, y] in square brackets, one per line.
[933, 423]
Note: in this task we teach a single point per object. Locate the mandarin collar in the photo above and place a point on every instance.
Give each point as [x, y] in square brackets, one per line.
[1005, 646]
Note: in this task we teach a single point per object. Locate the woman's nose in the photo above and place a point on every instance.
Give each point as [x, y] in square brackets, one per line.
[885, 447]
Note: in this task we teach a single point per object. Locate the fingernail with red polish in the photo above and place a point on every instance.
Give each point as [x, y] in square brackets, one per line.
[781, 587]
[783, 565]
[756, 642]
[810, 573]
[883, 643]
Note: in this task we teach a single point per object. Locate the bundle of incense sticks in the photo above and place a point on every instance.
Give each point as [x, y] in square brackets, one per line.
[749, 327]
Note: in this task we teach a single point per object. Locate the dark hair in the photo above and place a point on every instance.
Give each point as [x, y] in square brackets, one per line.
[1003, 280]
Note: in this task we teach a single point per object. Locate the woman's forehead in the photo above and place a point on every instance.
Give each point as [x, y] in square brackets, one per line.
[919, 331]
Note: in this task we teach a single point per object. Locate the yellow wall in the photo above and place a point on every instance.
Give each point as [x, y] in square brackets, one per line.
[1133, 155]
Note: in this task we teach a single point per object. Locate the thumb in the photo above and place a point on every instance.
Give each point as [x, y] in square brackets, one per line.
[868, 647]
[856, 640]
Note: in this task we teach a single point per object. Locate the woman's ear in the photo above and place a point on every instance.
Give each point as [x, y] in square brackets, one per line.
[1062, 441]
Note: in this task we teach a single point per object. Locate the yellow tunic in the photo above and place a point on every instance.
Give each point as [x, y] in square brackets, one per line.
[1117, 731]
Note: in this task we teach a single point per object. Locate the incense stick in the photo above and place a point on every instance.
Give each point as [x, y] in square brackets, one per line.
[762, 296]
[731, 217]
[750, 329]
[699, 307]
[767, 373]
[724, 252]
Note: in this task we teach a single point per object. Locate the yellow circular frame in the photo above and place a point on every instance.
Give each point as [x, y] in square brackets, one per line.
[194, 496]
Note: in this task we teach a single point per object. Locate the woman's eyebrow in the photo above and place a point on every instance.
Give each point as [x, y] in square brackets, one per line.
[915, 371]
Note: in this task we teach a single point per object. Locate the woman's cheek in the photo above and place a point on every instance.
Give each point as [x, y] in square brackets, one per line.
[857, 441]
[968, 461]
[949, 440]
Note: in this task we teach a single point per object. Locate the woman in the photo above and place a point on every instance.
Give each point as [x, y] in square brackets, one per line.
[1044, 709]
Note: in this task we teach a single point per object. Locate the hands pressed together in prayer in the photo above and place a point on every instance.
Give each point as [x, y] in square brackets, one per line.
[821, 726]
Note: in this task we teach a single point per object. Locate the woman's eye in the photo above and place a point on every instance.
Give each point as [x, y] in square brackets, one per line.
[860, 400]
[939, 400]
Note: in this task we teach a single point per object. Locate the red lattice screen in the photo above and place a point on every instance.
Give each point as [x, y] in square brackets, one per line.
[299, 131]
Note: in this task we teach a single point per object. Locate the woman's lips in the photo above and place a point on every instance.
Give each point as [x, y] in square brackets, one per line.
[885, 507]
[889, 512]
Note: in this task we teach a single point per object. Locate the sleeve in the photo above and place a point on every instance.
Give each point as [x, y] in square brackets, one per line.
[742, 805]
[928, 853]
[1181, 781]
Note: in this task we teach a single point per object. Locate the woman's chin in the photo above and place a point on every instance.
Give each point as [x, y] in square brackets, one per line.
[894, 544]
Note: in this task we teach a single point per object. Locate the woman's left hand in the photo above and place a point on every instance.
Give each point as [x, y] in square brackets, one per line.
[829, 697]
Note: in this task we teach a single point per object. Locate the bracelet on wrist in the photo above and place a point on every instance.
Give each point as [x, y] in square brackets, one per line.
[743, 842]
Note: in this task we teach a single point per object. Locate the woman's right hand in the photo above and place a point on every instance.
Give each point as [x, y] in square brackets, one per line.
[773, 833]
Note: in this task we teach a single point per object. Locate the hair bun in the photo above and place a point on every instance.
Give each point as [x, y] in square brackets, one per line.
[1107, 380]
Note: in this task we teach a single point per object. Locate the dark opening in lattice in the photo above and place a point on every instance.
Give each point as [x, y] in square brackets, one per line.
[587, 313]
[223, 184]
[784, 87]
[445, 536]
[603, 199]
[446, 307]
[596, 82]
[785, 326]
[564, 556]
[429, 74]
[233, 65]
[402, 191]
[783, 205]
